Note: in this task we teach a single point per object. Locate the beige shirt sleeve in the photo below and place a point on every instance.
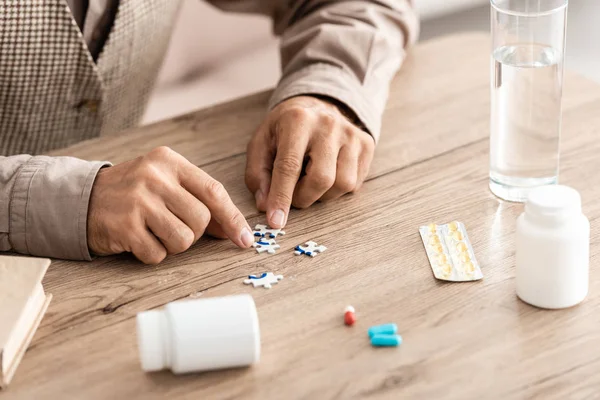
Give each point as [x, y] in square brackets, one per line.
[44, 204]
[345, 49]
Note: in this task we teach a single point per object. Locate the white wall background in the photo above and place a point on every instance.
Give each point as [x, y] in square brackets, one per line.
[216, 57]
[583, 32]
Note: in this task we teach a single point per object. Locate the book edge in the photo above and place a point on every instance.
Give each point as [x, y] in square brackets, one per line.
[5, 378]
[43, 265]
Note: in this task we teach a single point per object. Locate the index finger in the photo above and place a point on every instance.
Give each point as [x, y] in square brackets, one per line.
[286, 172]
[214, 196]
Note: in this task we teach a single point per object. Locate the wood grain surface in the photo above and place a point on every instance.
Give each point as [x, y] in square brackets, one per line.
[461, 340]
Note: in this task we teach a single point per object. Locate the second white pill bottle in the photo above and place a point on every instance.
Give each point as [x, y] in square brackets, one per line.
[200, 335]
[553, 249]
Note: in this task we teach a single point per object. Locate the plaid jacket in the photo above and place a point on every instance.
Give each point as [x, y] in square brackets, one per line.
[52, 94]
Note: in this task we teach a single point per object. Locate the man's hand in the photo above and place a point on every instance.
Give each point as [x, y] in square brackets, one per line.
[311, 133]
[159, 204]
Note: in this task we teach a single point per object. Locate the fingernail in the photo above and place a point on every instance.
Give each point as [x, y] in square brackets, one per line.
[259, 196]
[247, 238]
[278, 217]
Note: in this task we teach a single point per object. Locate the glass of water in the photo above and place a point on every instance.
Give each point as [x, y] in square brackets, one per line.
[528, 48]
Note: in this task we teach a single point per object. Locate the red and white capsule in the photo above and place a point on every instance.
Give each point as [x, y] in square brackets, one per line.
[349, 316]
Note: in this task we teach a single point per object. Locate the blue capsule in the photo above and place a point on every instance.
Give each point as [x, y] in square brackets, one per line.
[385, 329]
[386, 340]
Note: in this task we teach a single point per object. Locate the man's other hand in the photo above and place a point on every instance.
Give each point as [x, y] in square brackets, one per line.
[306, 150]
[159, 204]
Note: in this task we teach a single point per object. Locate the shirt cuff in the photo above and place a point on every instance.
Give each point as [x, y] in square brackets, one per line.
[330, 81]
[49, 207]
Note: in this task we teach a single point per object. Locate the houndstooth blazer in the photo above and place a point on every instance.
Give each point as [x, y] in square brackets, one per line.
[53, 94]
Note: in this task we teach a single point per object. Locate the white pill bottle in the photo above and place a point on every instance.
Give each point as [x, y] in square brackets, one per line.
[553, 248]
[200, 335]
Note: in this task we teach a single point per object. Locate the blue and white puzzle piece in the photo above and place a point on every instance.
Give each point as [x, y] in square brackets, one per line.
[310, 248]
[263, 245]
[265, 280]
[263, 231]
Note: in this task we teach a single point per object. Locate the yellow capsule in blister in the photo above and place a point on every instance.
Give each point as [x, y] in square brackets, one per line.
[464, 257]
[458, 236]
[442, 259]
[469, 267]
[432, 228]
[462, 247]
[453, 226]
[437, 248]
[434, 239]
[446, 269]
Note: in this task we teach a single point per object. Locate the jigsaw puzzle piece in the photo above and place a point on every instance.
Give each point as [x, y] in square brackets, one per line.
[310, 248]
[266, 245]
[265, 280]
[264, 231]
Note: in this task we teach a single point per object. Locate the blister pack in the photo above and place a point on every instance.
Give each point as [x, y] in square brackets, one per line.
[450, 252]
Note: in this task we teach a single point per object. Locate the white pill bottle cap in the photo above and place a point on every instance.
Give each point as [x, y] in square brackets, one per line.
[200, 335]
[553, 204]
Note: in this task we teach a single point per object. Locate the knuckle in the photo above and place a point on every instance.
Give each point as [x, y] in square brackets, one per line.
[369, 142]
[345, 184]
[200, 223]
[203, 218]
[283, 198]
[152, 255]
[155, 258]
[183, 239]
[233, 219]
[150, 176]
[188, 238]
[367, 145]
[327, 120]
[288, 166]
[353, 134]
[369, 155]
[296, 113]
[161, 152]
[323, 179]
[215, 190]
[153, 175]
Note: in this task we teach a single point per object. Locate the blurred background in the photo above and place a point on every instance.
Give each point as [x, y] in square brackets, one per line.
[216, 56]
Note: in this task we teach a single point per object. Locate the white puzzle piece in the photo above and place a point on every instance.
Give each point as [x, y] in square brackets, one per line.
[265, 280]
[263, 245]
[263, 231]
[310, 249]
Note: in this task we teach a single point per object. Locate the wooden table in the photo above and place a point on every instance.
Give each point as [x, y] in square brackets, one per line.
[461, 340]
